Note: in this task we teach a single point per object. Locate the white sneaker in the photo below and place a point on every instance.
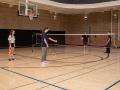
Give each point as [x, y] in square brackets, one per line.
[43, 64]
[46, 62]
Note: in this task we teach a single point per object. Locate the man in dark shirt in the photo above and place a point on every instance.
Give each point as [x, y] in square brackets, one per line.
[44, 44]
[108, 44]
[85, 39]
[43, 37]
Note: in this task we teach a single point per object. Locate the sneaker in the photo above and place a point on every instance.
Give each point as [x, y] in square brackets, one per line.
[13, 59]
[46, 62]
[43, 64]
[9, 59]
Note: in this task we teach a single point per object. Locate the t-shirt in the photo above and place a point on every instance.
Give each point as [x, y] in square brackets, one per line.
[11, 39]
[85, 38]
[43, 36]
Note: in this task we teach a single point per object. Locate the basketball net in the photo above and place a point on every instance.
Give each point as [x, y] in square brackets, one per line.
[30, 14]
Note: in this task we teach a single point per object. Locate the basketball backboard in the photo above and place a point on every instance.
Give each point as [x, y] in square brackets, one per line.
[24, 8]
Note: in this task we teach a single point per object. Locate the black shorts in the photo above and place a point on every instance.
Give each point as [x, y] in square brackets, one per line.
[107, 49]
[12, 45]
[85, 43]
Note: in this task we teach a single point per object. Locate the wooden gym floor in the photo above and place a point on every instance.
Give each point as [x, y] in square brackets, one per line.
[68, 69]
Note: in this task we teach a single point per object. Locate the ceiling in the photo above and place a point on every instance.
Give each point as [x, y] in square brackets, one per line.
[72, 8]
[81, 1]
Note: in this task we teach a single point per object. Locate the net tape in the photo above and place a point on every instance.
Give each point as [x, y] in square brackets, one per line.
[80, 34]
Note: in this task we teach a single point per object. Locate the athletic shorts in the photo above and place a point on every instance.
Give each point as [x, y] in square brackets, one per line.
[12, 45]
[85, 43]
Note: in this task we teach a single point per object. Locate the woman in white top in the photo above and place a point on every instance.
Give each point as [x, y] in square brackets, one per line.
[11, 40]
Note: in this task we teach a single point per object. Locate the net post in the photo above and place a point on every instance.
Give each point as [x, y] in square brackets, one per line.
[36, 38]
[114, 41]
[33, 42]
[84, 51]
[26, 7]
[118, 26]
[111, 28]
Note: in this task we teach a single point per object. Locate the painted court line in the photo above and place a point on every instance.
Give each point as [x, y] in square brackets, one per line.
[49, 84]
[60, 59]
[115, 83]
[48, 78]
[51, 77]
[22, 85]
[79, 75]
[101, 58]
[75, 63]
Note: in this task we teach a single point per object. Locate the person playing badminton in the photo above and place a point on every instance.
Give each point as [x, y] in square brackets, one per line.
[11, 40]
[85, 40]
[108, 44]
[45, 45]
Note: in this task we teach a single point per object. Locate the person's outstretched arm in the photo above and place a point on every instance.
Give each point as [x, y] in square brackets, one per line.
[52, 40]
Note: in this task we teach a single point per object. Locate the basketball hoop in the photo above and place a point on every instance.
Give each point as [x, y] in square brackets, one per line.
[30, 14]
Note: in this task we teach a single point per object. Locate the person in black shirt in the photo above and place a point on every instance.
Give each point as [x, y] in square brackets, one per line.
[85, 39]
[44, 44]
[108, 44]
